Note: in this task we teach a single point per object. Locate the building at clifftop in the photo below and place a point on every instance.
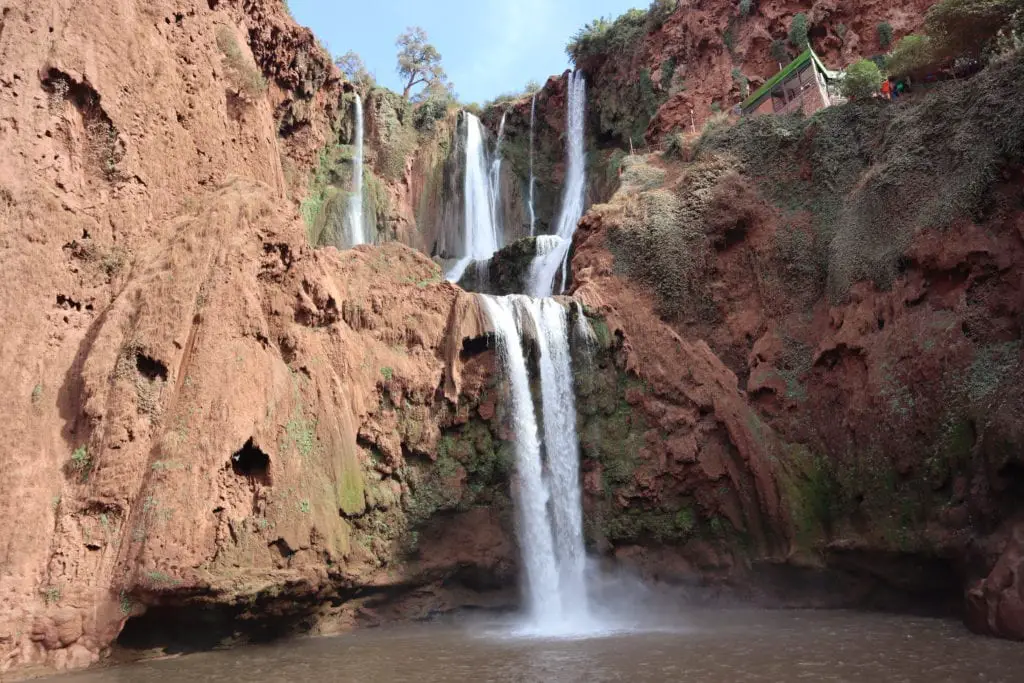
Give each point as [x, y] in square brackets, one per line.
[805, 85]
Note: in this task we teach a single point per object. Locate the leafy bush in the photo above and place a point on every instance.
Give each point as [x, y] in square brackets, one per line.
[912, 56]
[799, 32]
[80, 463]
[244, 75]
[729, 39]
[885, 35]
[778, 51]
[742, 82]
[841, 30]
[674, 145]
[609, 38]
[429, 112]
[745, 7]
[862, 80]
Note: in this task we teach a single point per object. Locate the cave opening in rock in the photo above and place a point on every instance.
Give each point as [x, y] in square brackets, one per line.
[201, 626]
[150, 368]
[251, 461]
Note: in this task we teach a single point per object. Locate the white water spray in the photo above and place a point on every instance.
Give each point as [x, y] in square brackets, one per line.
[480, 234]
[533, 213]
[356, 233]
[545, 267]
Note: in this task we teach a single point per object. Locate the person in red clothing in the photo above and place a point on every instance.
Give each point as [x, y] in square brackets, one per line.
[887, 89]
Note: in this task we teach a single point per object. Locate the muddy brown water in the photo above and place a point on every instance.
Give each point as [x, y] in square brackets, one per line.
[730, 646]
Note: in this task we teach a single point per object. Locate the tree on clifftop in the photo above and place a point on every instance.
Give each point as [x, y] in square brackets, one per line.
[351, 64]
[419, 62]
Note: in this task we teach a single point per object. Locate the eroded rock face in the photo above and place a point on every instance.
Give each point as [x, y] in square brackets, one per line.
[862, 354]
[200, 408]
[695, 63]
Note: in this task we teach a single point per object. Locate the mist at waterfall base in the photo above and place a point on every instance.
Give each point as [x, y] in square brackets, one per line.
[564, 595]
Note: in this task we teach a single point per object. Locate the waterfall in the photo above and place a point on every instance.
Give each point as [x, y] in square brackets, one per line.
[533, 214]
[545, 268]
[356, 234]
[494, 179]
[561, 445]
[536, 544]
[480, 234]
[548, 496]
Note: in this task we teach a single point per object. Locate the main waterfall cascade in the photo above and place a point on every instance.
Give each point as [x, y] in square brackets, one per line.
[545, 267]
[548, 495]
[480, 233]
[356, 233]
[549, 513]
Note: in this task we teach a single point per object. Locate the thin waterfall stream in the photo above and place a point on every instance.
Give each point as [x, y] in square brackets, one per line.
[545, 267]
[532, 181]
[356, 231]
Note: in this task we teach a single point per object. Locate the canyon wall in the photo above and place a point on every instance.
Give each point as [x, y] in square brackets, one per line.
[804, 387]
[204, 415]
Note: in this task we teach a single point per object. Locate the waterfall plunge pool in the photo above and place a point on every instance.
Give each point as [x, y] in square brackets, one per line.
[699, 646]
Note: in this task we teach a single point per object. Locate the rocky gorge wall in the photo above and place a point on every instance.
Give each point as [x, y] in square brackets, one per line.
[859, 291]
[207, 420]
[212, 422]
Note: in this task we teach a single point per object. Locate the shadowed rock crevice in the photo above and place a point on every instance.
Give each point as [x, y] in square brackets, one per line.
[252, 462]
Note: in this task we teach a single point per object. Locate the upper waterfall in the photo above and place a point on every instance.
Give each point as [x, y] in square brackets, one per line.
[480, 233]
[546, 266]
[494, 178]
[532, 182]
[356, 234]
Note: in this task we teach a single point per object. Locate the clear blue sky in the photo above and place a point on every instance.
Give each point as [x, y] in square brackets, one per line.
[488, 47]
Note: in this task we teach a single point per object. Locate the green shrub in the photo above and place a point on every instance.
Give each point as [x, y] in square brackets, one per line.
[912, 56]
[674, 145]
[841, 30]
[884, 35]
[798, 32]
[609, 38]
[639, 174]
[668, 70]
[427, 114]
[742, 82]
[862, 80]
[243, 74]
[778, 51]
[729, 39]
[745, 7]
[80, 463]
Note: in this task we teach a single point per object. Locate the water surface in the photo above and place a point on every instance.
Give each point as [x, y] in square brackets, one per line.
[731, 646]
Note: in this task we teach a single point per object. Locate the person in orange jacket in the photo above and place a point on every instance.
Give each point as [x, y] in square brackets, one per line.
[887, 89]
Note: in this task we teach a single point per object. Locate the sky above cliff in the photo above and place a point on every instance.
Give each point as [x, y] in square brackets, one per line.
[488, 47]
